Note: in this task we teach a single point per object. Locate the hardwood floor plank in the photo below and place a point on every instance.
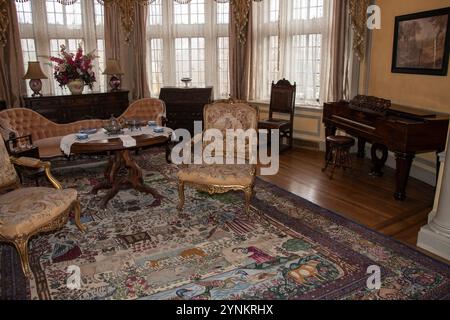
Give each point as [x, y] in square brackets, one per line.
[356, 195]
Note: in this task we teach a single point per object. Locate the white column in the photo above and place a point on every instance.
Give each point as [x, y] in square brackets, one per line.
[435, 237]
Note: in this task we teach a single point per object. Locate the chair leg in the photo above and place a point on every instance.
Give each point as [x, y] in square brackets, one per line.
[77, 209]
[248, 198]
[181, 195]
[336, 158]
[22, 248]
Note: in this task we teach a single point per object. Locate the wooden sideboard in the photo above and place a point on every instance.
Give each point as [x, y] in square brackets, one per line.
[185, 105]
[71, 108]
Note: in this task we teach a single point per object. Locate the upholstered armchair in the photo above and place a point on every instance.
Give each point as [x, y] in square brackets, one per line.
[26, 212]
[148, 109]
[222, 178]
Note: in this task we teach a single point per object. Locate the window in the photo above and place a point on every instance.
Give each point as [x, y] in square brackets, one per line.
[28, 51]
[24, 12]
[67, 15]
[188, 40]
[155, 13]
[156, 70]
[307, 9]
[82, 22]
[308, 55]
[223, 66]
[99, 14]
[289, 37]
[223, 13]
[190, 59]
[101, 64]
[191, 13]
[29, 54]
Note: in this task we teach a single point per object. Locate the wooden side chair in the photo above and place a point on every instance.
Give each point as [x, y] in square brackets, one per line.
[217, 178]
[26, 212]
[282, 101]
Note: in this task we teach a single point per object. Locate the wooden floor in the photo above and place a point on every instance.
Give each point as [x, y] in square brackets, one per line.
[356, 195]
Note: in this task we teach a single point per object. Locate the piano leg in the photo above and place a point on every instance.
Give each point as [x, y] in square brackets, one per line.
[362, 148]
[404, 163]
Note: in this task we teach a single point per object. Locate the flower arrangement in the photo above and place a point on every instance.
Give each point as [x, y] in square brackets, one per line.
[69, 67]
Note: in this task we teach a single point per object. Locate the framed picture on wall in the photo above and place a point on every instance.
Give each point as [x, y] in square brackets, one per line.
[422, 43]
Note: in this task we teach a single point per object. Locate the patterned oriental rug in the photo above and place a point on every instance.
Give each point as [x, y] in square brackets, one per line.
[288, 249]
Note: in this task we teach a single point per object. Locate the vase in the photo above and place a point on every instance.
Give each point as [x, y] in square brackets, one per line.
[76, 86]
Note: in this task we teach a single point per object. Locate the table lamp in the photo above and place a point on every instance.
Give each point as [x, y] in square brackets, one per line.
[35, 74]
[113, 69]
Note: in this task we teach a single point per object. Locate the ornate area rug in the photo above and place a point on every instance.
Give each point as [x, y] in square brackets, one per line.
[287, 249]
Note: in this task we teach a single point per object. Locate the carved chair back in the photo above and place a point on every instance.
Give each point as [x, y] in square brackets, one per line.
[231, 115]
[282, 98]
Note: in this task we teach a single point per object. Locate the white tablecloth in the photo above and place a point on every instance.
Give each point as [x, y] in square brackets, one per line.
[127, 137]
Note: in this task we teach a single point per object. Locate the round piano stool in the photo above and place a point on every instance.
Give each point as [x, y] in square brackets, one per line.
[339, 153]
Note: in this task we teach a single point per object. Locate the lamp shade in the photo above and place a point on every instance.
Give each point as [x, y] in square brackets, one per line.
[34, 71]
[112, 67]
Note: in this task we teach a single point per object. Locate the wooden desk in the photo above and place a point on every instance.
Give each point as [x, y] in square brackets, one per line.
[185, 105]
[71, 108]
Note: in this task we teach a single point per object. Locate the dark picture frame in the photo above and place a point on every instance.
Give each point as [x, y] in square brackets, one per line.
[422, 43]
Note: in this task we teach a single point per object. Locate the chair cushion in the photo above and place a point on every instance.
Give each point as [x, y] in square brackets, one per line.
[49, 147]
[26, 210]
[223, 175]
[341, 140]
[274, 124]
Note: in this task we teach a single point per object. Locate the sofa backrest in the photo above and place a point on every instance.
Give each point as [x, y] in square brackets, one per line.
[148, 109]
[27, 121]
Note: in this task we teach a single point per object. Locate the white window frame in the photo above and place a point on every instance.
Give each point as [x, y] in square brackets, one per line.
[42, 32]
[286, 31]
[168, 31]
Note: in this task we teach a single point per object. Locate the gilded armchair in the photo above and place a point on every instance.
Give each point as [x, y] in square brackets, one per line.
[222, 178]
[26, 212]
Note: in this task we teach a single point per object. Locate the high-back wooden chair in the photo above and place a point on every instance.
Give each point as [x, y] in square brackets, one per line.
[282, 101]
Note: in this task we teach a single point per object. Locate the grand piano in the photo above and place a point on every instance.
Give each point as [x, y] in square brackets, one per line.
[403, 130]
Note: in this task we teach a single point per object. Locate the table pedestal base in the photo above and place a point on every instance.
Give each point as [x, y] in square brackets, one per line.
[123, 160]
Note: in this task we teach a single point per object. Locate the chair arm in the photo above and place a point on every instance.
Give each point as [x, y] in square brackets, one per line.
[29, 162]
[37, 164]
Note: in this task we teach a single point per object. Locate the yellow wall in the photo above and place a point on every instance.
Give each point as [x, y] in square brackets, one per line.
[427, 92]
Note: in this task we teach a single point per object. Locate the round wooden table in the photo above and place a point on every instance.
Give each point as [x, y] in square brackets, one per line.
[121, 159]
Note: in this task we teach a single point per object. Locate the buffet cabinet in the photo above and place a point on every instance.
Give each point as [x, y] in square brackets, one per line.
[185, 105]
[71, 108]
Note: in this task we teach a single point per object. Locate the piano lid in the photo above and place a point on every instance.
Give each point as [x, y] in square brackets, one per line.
[411, 111]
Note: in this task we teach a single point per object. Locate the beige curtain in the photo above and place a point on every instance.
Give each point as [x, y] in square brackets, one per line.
[240, 59]
[132, 55]
[12, 86]
[340, 49]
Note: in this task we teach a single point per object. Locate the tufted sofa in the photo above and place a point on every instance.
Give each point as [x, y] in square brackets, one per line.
[47, 135]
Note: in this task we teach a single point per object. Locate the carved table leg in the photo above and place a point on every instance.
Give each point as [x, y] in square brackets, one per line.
[379, 161]
[114, 182]
[114, 165]
[404, 163]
